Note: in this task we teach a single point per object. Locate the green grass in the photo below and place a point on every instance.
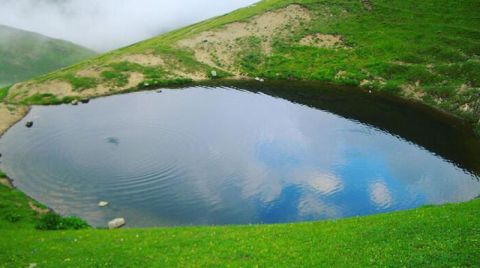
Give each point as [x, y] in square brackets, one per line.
[432, 44]
[16, 213]
[4, 93]
[431, 236]
[25, 55]
[446, 236]
[46, 99]
[118, 79]
[80, 83]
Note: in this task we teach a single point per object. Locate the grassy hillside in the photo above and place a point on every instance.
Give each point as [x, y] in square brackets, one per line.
[24, 55]
[423, 50]
[444, 236]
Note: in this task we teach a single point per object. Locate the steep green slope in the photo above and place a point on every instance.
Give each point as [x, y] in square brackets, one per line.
[24, 55]
[422, 50]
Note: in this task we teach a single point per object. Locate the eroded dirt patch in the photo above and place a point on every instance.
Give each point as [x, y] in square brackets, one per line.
[220, 47]
[322, 40]
[62, 89]
[37, 209]
[6, 182]
[9, 115]
[142, 59]
[90, 72]
[59, 88]
[367, 4]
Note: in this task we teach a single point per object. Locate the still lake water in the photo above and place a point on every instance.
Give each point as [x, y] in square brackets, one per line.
[221, 155]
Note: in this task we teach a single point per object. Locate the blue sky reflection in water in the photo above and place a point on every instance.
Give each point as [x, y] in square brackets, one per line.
[220, 156]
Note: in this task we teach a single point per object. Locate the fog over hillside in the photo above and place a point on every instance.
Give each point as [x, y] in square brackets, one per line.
[108, 24]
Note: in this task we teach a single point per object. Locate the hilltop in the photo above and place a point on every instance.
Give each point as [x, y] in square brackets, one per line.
[426, 51]
[24, 54]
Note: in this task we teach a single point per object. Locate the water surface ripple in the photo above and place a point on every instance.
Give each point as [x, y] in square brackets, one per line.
[202, 155]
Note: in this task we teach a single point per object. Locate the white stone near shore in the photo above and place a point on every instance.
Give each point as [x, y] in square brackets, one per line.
[103, 204]
[116, 223]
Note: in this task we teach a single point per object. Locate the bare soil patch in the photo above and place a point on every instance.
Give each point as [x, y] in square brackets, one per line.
[220, 47]
[6, 182]
[323, 40]
[142, 59]
[58, 88]
[90, 72]
[9, 115]
[39, 210]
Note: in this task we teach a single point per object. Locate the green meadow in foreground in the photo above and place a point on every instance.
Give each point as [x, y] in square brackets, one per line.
[443, 236]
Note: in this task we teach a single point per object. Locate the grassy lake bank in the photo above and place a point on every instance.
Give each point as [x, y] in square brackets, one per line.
[433, 236]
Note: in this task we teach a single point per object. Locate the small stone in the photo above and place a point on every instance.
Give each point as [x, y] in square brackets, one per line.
[29, 124]
[85, 100]
[370, 91]
[116, 223]
[74, 102]
[103, 204]
[262, 80]
[257, 78]
[214, 73]
[159, 91]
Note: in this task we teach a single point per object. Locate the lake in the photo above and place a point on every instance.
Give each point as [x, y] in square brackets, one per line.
[246, 153]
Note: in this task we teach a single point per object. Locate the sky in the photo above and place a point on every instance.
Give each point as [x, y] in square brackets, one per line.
[104, 25]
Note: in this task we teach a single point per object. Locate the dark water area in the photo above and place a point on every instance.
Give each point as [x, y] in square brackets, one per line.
[246, 153]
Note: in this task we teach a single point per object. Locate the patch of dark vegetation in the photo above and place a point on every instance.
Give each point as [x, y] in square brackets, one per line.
[46, 99]
[392, 86]
[155, 83]
[12, 217]
[52, 221]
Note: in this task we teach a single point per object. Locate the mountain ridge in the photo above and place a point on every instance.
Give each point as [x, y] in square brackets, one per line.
[28, 54]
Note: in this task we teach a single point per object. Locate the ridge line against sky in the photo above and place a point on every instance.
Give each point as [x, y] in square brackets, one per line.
[104, 25]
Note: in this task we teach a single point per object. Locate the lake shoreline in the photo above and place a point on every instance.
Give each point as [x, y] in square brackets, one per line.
[265, 87]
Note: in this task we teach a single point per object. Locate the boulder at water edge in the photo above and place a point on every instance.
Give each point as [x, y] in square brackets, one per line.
[116, 223]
